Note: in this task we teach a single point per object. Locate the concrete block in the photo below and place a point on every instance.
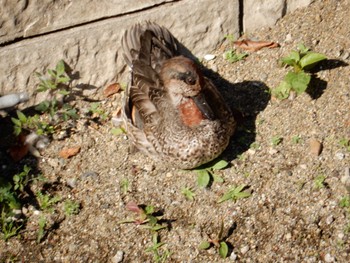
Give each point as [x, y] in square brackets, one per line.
[93, 49]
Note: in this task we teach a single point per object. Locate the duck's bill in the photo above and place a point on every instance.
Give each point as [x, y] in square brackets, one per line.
[203, 106]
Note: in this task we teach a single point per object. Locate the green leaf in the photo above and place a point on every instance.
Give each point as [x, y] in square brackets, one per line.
[43, 106]
[220, 165]
[21, 117]
[203, 178]
[52, 73]
[282, 91]
[303, 49]
[294, 55]
[217, 178]
[64, 92]
[204, 245]
[288, 61]
[117, 131]
[60, 68]
[188, 193]
[311, 59]
[16, 122]
[234, 193]
[223, 250]
[298, 81]
[63, 79]
[149, 209]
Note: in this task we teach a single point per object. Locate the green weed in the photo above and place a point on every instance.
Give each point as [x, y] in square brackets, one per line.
[207, 172]
[298, 79]
[234, 194]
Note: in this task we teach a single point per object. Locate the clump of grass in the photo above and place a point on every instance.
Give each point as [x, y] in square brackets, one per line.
[297, 79]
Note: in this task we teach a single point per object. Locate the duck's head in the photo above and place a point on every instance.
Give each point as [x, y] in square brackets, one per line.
[184, 82]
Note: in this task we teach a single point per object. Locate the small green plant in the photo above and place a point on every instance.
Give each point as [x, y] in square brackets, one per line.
[254, 146]
[46, 201]
[31, 123]
[155, 250]
[218, 242]
[298, 79]
[9, 227]
[345, 202]
[96, 110]
[232, 55]
[57, 83]
[188, 193]
[345, 143]
[71, 207]
[319, 181]
[144, 215]
[276, 140]
[124, 185]
[21, 179]
[296, 139]
[235, 193]
[41, 231]
[206, 173]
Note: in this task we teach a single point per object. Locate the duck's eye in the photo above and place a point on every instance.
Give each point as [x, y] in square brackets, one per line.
[190, 80]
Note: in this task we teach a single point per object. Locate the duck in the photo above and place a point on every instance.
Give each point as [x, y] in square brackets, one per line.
[171, 111]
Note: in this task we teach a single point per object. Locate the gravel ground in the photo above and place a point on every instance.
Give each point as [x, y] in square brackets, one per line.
[287, 218]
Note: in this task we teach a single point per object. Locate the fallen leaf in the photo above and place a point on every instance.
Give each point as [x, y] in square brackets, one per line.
[111, 89]
[253, 46]
[69, 152]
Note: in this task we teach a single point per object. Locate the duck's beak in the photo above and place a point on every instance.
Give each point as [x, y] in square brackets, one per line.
[203, 106]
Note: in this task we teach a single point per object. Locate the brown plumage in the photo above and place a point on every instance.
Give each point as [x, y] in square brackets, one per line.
[171, 111]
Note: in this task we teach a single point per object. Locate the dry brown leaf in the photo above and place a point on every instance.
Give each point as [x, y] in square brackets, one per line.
[253, 46]
[18, 151]
[69, 152]
[111, 89]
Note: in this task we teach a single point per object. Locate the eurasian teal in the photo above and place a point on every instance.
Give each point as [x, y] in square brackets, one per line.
[171, 111]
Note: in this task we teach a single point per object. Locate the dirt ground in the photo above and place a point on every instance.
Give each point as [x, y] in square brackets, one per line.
[289, 217]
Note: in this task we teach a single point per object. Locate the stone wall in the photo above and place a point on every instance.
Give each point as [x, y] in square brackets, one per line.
[35, 35]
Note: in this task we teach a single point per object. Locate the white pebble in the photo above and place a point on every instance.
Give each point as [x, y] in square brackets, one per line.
[233, 256]
[118, 257]
[209, 57]
[244, 249]
[329, 258]
[339, 156]
[329, 219]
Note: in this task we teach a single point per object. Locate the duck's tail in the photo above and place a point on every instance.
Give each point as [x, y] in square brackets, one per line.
[149, 44]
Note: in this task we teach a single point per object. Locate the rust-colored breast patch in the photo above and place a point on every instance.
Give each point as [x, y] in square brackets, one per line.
[190, 114]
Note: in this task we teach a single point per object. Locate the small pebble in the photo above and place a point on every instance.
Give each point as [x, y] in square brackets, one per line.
[233, 256]
[71, 182]
[288, 236]
[148, 167]
[339, 156]
[288, 38]
[89, 174]
[315, 147]
[209, 57]
[244, 249]
[345, 56]
[118, 257]
[329, 219]
[329, 258]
